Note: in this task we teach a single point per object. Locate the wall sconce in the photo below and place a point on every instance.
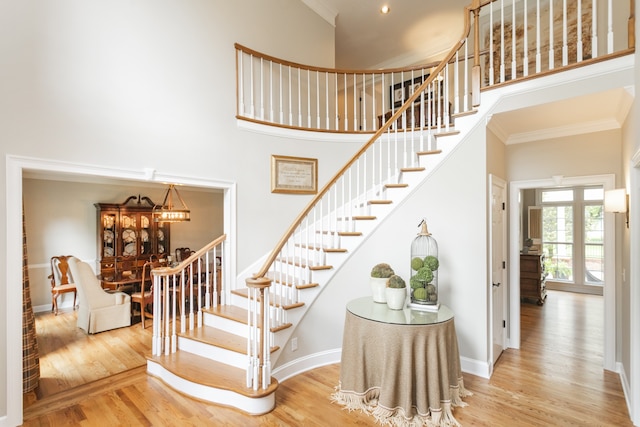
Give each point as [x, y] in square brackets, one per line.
[617, 201]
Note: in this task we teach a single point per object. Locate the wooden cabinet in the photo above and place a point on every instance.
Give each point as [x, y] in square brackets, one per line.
[532, 278]
[128, 236]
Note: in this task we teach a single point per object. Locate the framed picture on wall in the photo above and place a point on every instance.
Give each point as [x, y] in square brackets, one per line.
[413, 86]
[294, 175]
[396, 95]
[400, 92]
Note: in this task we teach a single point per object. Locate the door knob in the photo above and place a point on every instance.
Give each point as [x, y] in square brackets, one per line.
[496, 284]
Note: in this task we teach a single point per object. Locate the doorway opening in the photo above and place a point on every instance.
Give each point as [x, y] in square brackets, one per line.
[16, 167]
[515, 232]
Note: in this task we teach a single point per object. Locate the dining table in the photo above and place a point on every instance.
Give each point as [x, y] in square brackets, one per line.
[120, 282]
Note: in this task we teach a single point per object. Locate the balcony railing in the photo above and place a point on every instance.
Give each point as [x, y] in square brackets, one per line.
[513, 40]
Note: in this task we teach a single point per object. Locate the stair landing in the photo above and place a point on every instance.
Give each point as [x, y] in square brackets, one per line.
[211, 381]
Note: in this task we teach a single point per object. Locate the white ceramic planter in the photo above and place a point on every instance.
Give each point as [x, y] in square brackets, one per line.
[378, 285]
[396, 298]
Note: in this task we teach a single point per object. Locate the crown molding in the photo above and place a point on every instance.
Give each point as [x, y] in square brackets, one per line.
[325, 11]
[559, 132]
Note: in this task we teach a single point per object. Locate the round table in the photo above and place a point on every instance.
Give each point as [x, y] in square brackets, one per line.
[400, 363]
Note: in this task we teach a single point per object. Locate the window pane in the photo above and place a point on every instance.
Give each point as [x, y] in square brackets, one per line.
[557, 224]
[557, 241]
[559, 261]
[594, 263]
[593, 224]
[593, 194]
[593, 249]
[557, 196]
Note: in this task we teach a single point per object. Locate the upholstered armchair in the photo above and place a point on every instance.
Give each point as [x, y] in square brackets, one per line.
[98, 310]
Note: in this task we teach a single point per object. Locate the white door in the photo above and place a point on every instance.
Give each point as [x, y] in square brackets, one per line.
[498, 266]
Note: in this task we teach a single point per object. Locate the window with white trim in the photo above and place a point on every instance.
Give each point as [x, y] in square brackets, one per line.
[573, 234]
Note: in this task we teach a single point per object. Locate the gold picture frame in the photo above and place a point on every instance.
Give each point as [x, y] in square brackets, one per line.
[294, 175]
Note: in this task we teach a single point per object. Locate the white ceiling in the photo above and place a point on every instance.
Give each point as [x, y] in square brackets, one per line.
[409, 34]
[591, 113]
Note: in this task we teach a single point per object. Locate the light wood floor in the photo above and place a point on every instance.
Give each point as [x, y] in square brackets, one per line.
[556, 379]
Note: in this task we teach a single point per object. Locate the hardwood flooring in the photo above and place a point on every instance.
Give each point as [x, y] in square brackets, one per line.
[556, 379]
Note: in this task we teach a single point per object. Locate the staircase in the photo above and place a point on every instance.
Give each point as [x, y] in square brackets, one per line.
[219, 342]
[211, 360]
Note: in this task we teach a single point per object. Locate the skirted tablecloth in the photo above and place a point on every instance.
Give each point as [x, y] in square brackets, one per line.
[401, 373]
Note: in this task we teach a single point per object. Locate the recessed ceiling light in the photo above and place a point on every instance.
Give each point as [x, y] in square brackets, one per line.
[385, 9]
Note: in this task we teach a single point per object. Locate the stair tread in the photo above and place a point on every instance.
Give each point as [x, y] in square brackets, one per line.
[207, 372]
[237, 314]
[217, 337]
[349, 233]
[380, 202]
[244, 292]
[289, 281]
[400, 185]
[319, 248]
[428, 152]
[447, 133]
[299, 262]
[416, 169]
[230, 312]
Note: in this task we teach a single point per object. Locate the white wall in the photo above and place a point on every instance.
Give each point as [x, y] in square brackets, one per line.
[149, 84]
[454, 206]
[577, 155]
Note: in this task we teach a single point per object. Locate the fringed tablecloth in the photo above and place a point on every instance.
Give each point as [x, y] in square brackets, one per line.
[401, 374]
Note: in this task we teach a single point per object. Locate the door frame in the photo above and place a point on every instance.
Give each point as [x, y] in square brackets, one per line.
[15, 167]
[609, 290]
[494, 180]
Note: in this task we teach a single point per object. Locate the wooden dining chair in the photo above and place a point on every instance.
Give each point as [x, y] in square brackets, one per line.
[144, 296]
[182, 254]
[61, 281]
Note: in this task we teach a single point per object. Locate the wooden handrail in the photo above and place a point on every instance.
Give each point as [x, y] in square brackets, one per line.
[195, 255]
[408, 103]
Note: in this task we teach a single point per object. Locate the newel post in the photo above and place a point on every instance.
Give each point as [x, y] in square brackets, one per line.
[258, 344]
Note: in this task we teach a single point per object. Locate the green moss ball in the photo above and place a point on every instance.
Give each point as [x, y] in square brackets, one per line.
[425, 274]
[415, 283]
[431, 262]
[417, 263]
[420, 293]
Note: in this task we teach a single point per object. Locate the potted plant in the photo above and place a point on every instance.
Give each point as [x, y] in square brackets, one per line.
[379, 275]
[396, 292]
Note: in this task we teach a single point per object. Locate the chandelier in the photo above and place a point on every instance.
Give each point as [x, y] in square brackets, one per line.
[167, 212]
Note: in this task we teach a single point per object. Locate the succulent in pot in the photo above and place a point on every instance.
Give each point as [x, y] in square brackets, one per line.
[380, 273]
[396, 282]
[396, 292]
[382, 270]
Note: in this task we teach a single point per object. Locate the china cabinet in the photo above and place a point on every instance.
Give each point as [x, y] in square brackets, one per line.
[128, 236]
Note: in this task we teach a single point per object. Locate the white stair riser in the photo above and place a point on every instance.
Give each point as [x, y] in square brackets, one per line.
[214, 353]
[227, 325]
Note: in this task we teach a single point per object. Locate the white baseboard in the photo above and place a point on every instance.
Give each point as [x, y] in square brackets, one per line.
[306, 363]
[66, 305]
[626, 387]
[329, 357]
[475, 367]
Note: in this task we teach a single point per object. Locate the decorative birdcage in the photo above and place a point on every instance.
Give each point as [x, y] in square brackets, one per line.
[424, 270]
